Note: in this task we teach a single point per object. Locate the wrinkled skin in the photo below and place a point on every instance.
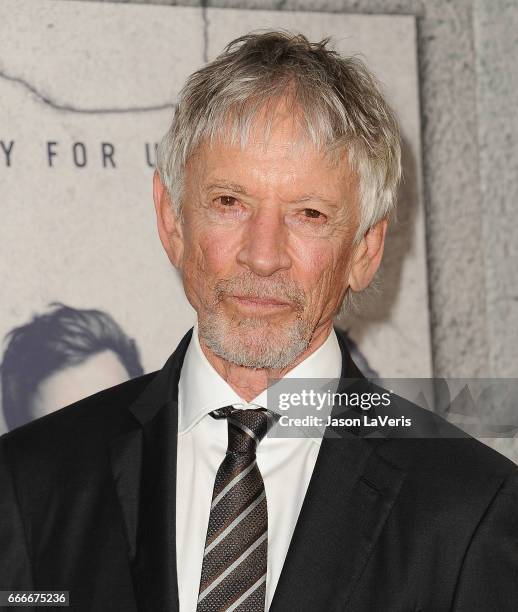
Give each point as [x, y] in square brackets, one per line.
[266, 249]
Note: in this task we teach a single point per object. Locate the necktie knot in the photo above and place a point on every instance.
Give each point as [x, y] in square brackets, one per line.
[246, 428]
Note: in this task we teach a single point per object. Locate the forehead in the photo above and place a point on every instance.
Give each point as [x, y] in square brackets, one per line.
[275, 150]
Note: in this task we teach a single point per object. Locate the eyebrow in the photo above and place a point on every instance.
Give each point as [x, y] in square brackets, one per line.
[313, 197]
[235, 187]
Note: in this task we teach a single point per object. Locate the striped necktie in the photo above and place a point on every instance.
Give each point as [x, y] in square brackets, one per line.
[233, 575]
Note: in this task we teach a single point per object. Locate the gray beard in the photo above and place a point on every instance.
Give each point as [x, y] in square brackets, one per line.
[277, 348]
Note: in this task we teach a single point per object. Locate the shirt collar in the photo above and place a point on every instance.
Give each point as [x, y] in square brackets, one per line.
[201, 389]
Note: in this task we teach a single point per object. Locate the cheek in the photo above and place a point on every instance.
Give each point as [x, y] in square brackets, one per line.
[317, 262]
[210, 252]
[322, 269]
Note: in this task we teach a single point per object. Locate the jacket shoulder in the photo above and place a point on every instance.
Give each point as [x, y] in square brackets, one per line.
[436, 448]
[456, 478]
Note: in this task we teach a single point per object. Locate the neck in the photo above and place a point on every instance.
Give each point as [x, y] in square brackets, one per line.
[250, 382]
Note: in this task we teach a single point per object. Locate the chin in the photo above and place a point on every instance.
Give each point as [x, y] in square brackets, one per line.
[255, 342]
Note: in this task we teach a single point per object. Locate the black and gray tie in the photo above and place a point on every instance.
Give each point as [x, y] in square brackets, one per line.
[233, 575]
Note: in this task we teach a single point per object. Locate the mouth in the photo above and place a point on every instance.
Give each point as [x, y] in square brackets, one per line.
[257, 303]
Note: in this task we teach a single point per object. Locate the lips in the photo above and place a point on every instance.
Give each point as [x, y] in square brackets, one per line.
[260, 301]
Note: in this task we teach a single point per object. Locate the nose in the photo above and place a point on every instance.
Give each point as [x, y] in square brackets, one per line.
[263, 250]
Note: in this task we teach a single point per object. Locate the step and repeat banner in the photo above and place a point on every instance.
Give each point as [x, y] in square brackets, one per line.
[86, 91]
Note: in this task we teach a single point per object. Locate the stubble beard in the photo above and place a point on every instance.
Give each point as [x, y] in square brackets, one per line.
[255, 342]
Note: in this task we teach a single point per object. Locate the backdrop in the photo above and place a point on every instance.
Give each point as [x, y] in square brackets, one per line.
[86, 91]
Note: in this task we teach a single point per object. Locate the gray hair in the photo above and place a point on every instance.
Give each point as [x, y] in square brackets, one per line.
[339, 106]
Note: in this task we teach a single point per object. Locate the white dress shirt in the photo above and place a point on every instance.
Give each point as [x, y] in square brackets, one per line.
[286, 464]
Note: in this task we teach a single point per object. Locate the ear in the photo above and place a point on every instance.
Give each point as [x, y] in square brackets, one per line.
[367, 256]
[168, 223]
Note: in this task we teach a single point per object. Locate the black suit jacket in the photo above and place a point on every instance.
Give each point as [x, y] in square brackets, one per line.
[87, 504]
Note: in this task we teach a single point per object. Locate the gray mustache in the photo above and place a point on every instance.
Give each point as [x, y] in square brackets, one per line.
[275, 291]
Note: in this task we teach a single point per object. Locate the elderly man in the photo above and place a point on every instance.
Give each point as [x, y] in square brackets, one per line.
[164, 493]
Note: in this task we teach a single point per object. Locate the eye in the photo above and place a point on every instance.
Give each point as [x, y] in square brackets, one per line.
[226, 200]
[312, 213]
[228, 207]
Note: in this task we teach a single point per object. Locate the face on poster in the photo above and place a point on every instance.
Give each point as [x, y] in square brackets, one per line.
[87, 91]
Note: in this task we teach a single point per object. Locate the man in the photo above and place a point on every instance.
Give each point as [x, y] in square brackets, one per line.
[273, 190]
[60, 357]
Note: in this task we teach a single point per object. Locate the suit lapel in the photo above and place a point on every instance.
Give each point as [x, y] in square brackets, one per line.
[126, 460]
[144, 470]
[350, 495]
[154, 569]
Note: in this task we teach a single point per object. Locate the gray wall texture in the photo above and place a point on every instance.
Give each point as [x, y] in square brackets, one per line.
[468, 73]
